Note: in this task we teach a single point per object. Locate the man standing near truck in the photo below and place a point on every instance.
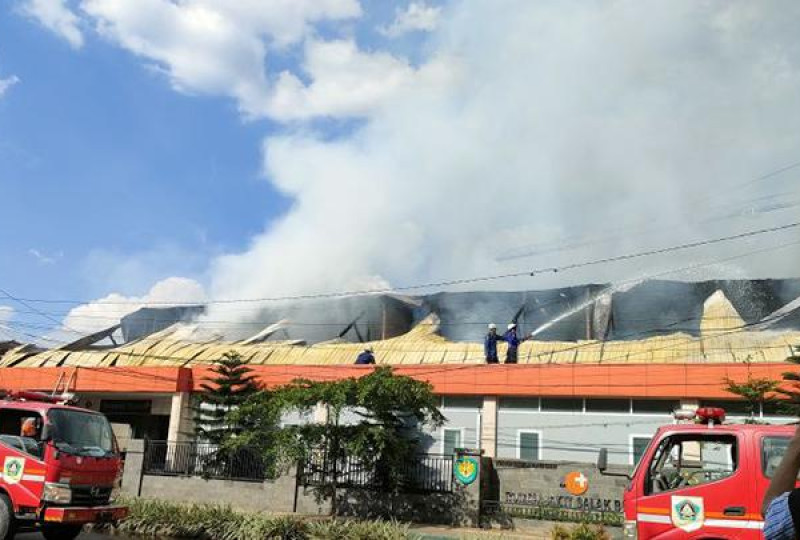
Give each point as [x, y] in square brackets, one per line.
[781, 505]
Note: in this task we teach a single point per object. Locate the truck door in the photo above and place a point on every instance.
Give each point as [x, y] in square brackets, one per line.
[22, 468]
[698, 486]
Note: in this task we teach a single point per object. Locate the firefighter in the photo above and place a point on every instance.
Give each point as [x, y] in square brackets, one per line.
[490, 345]
[366, 357]
[513, 341]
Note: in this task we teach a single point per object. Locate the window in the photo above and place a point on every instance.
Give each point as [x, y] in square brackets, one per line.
[451, 402]
[691, 460]
[772, 450]
[528, 445]
[452, 440]
[608, 405]
[562, 404]
[638, 447]
[11, 431]
[655, 406]
[530, 404]
[775, 408]
[732, 407]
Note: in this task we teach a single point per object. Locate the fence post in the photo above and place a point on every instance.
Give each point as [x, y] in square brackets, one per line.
[133, 474]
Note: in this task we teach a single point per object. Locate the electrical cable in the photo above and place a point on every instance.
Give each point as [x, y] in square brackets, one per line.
[446, 283]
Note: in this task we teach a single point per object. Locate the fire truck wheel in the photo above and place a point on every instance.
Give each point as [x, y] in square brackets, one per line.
[61, 532]
[7, 524]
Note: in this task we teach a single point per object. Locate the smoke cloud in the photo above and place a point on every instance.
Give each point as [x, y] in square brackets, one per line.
[530, 134]
[551, 122]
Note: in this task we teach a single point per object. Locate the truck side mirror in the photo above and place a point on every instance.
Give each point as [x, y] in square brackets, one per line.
[602, 465]
[602, 460]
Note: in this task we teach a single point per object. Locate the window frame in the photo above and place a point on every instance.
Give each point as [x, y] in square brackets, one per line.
[539, 436]
[631, 447]
[461, 434]
[762, 451]
[24, 413]
[665, 448]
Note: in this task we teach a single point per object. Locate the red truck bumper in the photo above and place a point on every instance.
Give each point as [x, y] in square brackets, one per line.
[97, 514]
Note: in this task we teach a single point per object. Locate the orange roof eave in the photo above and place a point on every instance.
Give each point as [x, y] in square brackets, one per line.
[673, 381]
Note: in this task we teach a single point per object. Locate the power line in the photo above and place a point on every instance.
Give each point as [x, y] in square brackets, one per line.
[521, 252]
[446, 283]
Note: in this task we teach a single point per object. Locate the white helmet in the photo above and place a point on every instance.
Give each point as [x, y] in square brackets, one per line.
[512, 326]
[492, 326]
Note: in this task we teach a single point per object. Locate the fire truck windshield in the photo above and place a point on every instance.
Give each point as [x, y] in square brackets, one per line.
[81, 433]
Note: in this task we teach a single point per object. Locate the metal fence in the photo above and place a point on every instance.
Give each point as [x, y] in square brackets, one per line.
[427, 473]
[166, 458]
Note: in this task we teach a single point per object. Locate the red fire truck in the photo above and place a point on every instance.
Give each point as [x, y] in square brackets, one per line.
[703, 480]
[60, 467]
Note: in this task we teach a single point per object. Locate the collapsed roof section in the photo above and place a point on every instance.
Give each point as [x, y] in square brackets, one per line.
[722, 335]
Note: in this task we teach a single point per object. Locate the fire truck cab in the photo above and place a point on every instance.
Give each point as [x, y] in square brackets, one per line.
[703, 480]
[60, 467]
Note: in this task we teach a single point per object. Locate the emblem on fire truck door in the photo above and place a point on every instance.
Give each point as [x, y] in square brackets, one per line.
[687, 513]
[13, 469]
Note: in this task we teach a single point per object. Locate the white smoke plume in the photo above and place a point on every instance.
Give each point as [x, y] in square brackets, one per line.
[527, 127]
[555, 120]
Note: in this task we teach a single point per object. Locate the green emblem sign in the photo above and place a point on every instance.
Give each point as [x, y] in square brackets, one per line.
[12, 469]
[466, 470]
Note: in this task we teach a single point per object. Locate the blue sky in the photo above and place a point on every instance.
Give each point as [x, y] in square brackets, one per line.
[98, 154]
[156, 150]
[112, 179]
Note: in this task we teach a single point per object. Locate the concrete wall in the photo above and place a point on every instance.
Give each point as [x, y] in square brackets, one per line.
[270, 496]
[546, 485]
[574, 436]
[463, 414]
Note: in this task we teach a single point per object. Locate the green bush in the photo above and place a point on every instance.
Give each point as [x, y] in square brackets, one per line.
[335, 529]
[560, 532]
[161, 519]
[582, 531]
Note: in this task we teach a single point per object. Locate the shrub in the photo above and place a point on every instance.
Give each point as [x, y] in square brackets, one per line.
[335, 529]
[161, 519]
[582, 531]
[560, 532]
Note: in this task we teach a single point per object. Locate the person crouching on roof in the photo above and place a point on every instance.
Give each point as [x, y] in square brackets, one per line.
[490, 345]
[366, 357]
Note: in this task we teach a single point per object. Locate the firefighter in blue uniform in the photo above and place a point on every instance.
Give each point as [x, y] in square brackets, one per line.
[366, 357]
[490, 345]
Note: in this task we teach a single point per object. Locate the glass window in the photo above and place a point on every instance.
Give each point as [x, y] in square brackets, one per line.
[451, 402]
[638, 447]
[733, 407]
[22, 430]
[529, 446]
[772, 451]
[520, 403]
[777, 408]
[655, 406]
[562, 404]
[452, 440]
[608, 405]
[691, 460]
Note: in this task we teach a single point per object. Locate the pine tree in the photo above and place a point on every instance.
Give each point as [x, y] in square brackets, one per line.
[231, 385]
